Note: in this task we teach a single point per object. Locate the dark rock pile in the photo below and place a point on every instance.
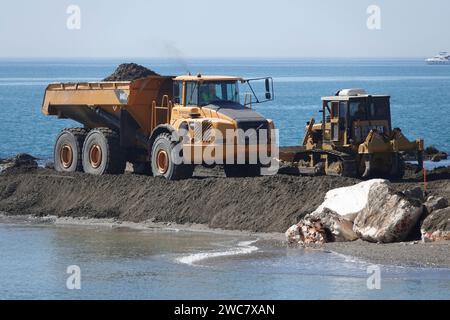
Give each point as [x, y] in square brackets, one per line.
[130, 71]
[21, 162]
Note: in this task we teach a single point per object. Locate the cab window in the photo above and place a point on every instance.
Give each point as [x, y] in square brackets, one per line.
[211, 92]
[192, 93]
[357, 110]
[177, 91]
[379, 109]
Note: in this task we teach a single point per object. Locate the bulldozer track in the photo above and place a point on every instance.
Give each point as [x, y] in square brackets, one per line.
[348, 162]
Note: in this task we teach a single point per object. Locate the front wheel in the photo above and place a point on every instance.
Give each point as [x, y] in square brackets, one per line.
[162, 160]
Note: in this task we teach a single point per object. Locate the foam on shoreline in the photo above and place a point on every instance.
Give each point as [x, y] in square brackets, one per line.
[242, 248]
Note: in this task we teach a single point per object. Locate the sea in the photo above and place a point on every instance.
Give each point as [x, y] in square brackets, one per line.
[37, 261]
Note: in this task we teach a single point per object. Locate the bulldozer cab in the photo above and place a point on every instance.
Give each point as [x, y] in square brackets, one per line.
[349, 116]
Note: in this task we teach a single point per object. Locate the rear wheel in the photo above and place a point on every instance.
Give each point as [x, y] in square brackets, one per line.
[102, 153]
[67, 154]
[163, 164]
[242, 170]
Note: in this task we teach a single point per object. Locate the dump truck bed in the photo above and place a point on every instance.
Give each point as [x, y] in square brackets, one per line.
[79, 101]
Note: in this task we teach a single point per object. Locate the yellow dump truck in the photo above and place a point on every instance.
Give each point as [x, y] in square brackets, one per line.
[140, 122]
[354, 138]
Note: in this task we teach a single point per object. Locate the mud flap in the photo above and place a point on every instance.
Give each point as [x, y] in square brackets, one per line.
[128, 129]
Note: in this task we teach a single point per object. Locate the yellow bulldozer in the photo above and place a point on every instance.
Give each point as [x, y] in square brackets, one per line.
[355, 138]
[141, 121]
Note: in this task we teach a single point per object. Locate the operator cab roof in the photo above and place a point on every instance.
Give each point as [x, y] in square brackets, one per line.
[347, 94]
[200, 77]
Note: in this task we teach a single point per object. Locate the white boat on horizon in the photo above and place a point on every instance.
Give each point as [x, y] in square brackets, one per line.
[442, 58]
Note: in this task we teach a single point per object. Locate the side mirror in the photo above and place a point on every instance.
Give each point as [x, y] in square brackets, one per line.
[268, 91]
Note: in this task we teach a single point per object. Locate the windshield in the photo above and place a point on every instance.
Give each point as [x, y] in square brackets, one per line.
[208, 92]
[376, 109]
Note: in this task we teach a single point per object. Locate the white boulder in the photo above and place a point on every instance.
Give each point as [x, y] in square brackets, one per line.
[388, 216]
[348, 201]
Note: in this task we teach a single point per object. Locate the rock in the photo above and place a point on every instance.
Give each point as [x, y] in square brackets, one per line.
[431, 150]
[22, 160]
[340, 228]
[436, 227]
[388, 216]
[308, 231]
[348, 201]
[434, 203]
[293, 234]
[130, 71]
[414, 193]
[439, 157]
[49, 165]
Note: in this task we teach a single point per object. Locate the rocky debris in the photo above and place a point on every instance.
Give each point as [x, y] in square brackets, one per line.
[414, 193]
[336, 225]
[130, 71]
[21, 161]
[435, 155]
[434, 203]
[430, 150]
[371, 210]
[430, 153]
[389, 216]
[309, 230]
[439, 157]
[436, 227]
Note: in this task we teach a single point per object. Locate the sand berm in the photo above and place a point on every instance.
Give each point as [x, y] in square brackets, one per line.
[262, 204]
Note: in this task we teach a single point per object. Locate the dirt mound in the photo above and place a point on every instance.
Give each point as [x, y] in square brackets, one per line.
[130, 71]
[256, 204]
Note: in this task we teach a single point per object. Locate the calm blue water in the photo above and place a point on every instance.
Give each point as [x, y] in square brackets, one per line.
[420, 93]
[124, 264]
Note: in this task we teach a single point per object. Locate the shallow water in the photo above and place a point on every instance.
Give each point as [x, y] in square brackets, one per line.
[420, 93]
[166, 264]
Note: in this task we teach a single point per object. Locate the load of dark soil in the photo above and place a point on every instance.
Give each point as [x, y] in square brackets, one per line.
[130, 71]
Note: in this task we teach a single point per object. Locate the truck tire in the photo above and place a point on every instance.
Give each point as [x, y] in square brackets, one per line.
[102, 153]
[162, 161]
[242, 170]
[67, 153]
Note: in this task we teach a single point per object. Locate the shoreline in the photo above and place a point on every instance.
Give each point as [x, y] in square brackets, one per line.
[402, 254]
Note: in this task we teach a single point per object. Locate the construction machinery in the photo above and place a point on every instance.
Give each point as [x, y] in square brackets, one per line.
[140, 122]
[355, 138]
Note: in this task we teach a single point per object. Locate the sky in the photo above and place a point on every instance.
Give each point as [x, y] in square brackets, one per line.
[229, 28]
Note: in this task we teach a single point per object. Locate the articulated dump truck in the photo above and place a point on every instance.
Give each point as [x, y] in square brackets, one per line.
[355, 138]
[163, 125]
